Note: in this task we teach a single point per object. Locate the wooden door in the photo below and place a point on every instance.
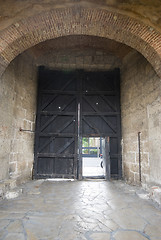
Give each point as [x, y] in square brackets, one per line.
[72, 105]
[56, 128]
[100, 98]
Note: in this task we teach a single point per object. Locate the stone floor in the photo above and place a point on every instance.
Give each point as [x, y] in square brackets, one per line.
[79, 210]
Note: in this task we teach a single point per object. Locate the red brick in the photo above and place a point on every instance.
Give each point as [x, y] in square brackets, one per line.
[78, 21]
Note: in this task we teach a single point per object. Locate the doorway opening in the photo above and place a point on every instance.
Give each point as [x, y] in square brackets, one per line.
[92, 157]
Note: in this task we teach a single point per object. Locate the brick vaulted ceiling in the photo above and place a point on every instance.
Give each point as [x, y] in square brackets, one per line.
[135, 23]
[45, 51]
[81, 42]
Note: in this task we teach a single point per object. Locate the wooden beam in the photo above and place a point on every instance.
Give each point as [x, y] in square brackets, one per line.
[96, 110]
[51, 113]
[55, 96]
[91, 125]
[101, 114]
[54, 117]
[54, 155]
[62, 149]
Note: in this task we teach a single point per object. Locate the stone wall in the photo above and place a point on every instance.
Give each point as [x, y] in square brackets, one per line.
[87, 59]
[17, 110]
[141, 112]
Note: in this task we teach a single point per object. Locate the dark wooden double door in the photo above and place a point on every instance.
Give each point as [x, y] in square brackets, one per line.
[72, 104]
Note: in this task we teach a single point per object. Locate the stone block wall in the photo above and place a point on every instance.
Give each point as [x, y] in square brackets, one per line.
[88, 59]
[17, 110]
[141, 112]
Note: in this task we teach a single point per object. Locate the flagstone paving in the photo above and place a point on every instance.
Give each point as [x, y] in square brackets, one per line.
[79, 210]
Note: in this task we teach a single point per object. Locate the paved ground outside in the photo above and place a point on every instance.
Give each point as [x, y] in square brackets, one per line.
[79, 210]
[92, 167]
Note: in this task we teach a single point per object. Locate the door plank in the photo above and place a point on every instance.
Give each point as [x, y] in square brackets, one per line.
[46, 104]
[96, 110]
[65, 146]
[54, 117]
[91, 125]
[46, 144]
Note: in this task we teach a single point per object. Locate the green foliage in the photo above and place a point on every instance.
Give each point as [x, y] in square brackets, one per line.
[85, 142]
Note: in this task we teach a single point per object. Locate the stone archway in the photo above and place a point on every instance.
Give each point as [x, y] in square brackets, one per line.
[79, 20]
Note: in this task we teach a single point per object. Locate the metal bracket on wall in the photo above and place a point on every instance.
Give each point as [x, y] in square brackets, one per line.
[25, 130]
[139, 148]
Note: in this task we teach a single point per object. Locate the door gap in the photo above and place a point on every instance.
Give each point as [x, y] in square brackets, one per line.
[92, 161]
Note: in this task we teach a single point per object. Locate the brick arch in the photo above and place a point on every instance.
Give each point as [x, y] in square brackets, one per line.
[79, 21]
